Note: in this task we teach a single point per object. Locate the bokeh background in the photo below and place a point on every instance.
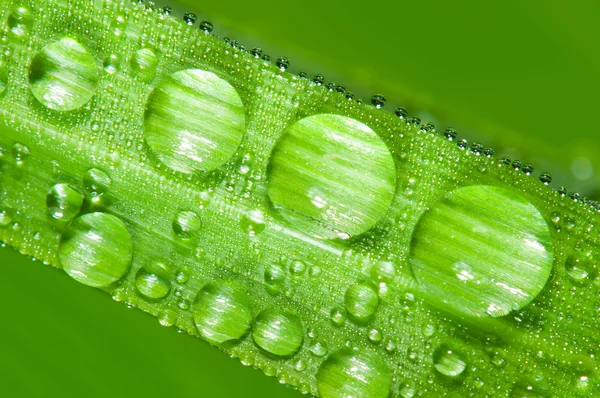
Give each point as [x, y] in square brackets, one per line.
[520, 76]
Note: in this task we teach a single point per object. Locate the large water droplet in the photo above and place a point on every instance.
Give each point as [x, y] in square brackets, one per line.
[63, 76]
[63, 202]
[153, 281]
[352, 374]
[194, 121]
[331, 176]
[96, 249]
[447, 362]
[186, 224]
[144, 62]
[361, 302]
[222, 312]
[482, 251]
[278, 333]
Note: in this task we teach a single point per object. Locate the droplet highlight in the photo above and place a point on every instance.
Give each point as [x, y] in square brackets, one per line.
[186, 224]
[152, 281]
[448, 362]
[361, 302]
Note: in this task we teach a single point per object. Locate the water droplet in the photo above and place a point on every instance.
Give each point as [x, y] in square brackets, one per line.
[378, 101]
[338, 316]
[96, 249]
[485, 250]
[375, 336]
[300, 365]
[194, 121]
[253, 222]
[400, 112]
[144, 62]
[578, 270]
[354, 374]
[314, 181]
[20, 20]
[189, 18]
[96, 182]
[546, 178]
[319, 80]
[222, 312]
[282, 63]
[275, 277]
[181, 276]
[5, 218]
[450, 134]
[63, 76]
[206, 26]
[278, 333]
[408, 389]
[152, 281]
[361, 301]
[297, 267]
[63, 202]
[383, 271]
[448, 362]
[20, 152]
[319, 349]
[186, 224]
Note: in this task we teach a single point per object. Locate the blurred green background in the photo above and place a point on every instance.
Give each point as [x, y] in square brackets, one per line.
[521, 76]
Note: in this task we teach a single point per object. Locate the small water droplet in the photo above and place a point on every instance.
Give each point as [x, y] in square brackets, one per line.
[222, 312]
[189, 18]
[297, 267]
[448, 362]
[361, 301]
[382, 271]
[577, 269]
[96, 249]
[206, 26]
[181, 276]
[282, 63]
[20, 21]
[375, 336]
[186, 224]
[278, 333]
[450, 134]
[152, 281]
[63, 202]
[144, 62]
[5, 218]
[20, 152]
[338, 316]
[546, 178]
[319, 349]
[378, 101]
[253, 222]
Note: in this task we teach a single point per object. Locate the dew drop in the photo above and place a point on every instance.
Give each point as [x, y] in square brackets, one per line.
[96, 182]
[354, 375]
[152, 281]
[186, 224]
[383, 271]
[361, 302]
[253, 222]
[144, 63]
[378, 101]
[194, 121]
[447, 362]
[486, 250]
[278, 333]
[338, 316]
[222, 312]
[319, 349]
[375, 336]
[297, 267]
[20, 152]
[206, 26]
[63, 202]
[63, 76]
[96, 249]
[5, 218]
[275, 277]
[578, 270]
[314, 181]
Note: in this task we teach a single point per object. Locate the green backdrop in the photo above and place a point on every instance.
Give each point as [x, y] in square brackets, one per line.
[522, 77]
